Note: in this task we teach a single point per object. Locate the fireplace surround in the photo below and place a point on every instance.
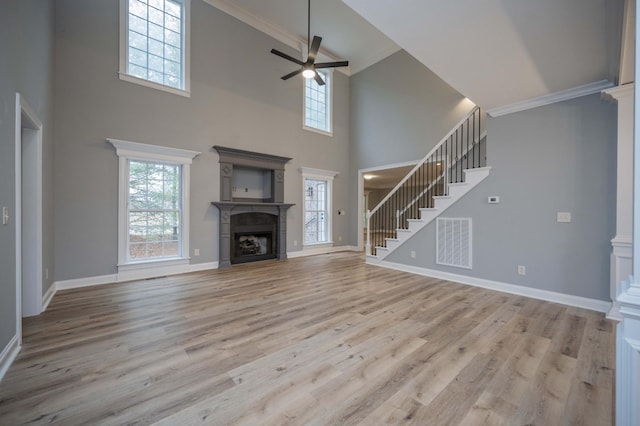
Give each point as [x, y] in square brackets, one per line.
[253, 215]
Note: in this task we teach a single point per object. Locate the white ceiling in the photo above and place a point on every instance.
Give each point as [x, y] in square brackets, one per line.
[501, 52]
[345, 34]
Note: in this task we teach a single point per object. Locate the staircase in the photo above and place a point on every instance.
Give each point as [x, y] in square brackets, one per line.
[450, 170]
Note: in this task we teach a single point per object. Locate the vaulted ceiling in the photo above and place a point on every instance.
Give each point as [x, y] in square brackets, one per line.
[495, 52]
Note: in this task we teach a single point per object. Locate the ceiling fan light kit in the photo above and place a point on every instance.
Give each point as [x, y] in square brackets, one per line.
[309, 67]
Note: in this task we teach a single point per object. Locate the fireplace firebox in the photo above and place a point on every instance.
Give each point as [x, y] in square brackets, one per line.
[253, 237]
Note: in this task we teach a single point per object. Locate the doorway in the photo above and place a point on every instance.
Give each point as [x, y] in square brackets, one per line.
[28, 165]
[373, 184]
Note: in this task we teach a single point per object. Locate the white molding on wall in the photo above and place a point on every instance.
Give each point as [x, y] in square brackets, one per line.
[319, 250]
[551, 98]
[272, 30]
[46, 299]
[9, 353]
[550, 296]
[134, 275]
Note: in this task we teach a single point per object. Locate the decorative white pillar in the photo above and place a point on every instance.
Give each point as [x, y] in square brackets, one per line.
[621, 243]
[628, 332]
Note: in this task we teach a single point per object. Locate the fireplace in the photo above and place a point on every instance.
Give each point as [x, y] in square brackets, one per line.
[253, 215]
[253, 237]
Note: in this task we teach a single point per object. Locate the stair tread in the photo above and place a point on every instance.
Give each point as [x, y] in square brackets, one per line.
[415, 220]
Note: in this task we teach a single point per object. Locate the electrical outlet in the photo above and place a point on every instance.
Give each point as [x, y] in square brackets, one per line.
[295, 243]
[339, 237]
[522, 270]
[196, 252]
[413, 254]
[46, 273]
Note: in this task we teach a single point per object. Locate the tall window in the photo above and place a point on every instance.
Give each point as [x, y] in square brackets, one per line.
[317, 104]
[153, 218]
[154, 46]
[317, 186]
[154, 210]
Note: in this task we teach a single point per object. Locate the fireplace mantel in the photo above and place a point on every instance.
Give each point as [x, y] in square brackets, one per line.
[271, 202]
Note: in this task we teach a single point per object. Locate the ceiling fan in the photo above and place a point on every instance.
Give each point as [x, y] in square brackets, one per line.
[308, 68]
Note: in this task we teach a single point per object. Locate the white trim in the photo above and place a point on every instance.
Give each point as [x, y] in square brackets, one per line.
[320, 250]
[551, 98]
[46, 299]
[9, 354]
[619, 92]
[318, 174]
[22, 107]
[550, 296]
[127, 150]
[117, 278]
[273, 30]
[186, 53]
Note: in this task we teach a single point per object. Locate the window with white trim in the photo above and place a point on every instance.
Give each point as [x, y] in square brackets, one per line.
[317, 103]
[153, 207]
[317, 187]
[154, 44]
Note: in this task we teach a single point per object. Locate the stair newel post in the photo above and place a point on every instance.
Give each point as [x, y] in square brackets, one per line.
[479, 136]
[368, 242]
[398, 219]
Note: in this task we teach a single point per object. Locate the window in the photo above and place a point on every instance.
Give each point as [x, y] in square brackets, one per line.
[317, 186]
[153, 218]
[154, 44]
[154, 210]
[317, 104]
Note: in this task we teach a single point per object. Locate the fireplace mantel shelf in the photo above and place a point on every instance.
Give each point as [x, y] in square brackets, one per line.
[249, 203]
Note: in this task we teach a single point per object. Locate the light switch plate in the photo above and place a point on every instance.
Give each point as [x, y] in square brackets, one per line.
[564, 217]
[5, 215]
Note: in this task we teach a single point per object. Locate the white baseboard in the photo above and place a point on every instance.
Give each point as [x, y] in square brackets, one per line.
[550, 296]
[140, 274]
[9, 353]
[46, 299]
[320, 250]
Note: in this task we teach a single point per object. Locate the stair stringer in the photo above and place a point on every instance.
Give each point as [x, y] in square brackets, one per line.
[472, 177]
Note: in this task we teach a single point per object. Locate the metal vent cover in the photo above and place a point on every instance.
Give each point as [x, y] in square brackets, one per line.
[453, 242]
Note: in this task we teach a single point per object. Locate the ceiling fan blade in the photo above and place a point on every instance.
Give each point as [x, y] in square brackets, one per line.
[287, 57]
[313, 50]
[318, 79]
[291, 74]
[332, 64]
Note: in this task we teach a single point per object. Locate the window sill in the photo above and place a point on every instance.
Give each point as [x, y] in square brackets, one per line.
[151, 84]
[320, 131]
[151, 264]
[315, 246]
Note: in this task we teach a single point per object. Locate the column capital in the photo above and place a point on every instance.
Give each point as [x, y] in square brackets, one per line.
[615, 94]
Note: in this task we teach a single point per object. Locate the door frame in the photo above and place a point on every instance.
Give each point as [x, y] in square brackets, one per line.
[27, 119]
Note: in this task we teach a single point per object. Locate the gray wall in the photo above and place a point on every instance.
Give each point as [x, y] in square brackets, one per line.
[26, 46]
[399, 111]
[557, 158]
[238, 100]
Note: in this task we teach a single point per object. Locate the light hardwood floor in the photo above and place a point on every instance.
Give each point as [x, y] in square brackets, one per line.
[318, 340]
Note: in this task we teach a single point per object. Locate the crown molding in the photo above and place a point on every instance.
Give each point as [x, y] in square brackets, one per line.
[551, 98]
[273, 30]
[618, 92]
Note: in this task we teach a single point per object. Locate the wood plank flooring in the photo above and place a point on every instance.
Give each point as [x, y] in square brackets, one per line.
[322, 340]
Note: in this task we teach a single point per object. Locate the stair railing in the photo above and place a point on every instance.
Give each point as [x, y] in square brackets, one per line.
[445, 163]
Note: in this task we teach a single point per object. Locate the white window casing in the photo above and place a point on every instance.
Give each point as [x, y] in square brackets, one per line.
[126, 74]
[319, 175]
[133, 151]
[317, 114]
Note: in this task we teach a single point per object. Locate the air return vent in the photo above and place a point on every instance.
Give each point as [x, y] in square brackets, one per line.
[453, 241]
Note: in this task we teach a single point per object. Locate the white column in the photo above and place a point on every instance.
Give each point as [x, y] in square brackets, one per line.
[621, 243]
[628, 333]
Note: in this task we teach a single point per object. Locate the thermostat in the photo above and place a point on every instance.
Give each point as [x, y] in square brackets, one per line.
[493, 199]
